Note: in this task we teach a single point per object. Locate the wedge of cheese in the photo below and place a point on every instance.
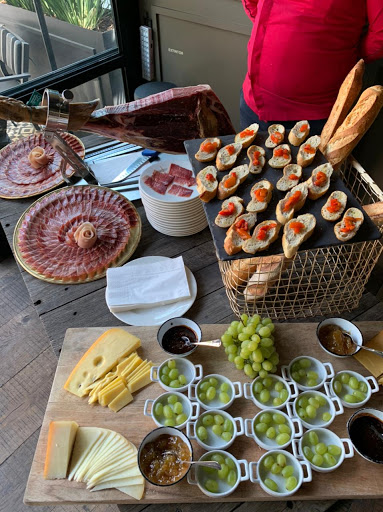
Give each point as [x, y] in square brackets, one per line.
[61, 438]
[100, 358]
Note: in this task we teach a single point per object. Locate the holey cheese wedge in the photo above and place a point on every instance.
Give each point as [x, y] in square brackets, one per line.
[101, 357]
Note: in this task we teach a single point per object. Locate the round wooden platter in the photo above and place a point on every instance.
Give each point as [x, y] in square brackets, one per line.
[71, 139]
[131, 246]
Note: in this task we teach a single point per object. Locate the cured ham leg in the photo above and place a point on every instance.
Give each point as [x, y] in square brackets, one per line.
[161, 122]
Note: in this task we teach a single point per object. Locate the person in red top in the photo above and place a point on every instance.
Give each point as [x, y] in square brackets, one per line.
[299, 53]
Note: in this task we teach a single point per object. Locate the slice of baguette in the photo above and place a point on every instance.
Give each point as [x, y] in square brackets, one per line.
[351, 212]
[207, 190]
[299, 132]
[284, 216]
[285, 183]
[233, 241]
[272, 129]
[224, 160]
[205, 156]
[241, 173]
[254, 245]
[348, 92]
[278, 162]
[263, 278]
[291, 241]
[245, 138]
[256, 169]
[260, 206]
[316, 192]
[339, 196]
[226, 221]
[375, 212]
[304, 158]
[354, 126]
[240, 271]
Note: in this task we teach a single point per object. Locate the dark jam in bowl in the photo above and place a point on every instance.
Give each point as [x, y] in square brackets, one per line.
[179, 339]
[333, 339]
[366, 433]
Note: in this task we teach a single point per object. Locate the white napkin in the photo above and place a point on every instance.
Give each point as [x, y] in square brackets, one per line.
[146, 285]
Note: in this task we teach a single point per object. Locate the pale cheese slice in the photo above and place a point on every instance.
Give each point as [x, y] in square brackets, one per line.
[125, 474]
[109, 470]
[132, 367]
[121, 482]
[105, 398]
[106, 475]
[108, 455]
[121, 400]
[135, 491]
[86, 438]
[61, 437]
[126, 362]
[105, 441]
[110, 445]
[140, 382]
[139, 368]
[101, 357]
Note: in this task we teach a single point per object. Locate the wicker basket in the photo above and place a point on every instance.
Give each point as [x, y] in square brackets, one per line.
[316, 282]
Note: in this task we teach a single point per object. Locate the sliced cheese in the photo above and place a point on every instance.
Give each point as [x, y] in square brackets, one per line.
[121, 481]
[124, 398]
[107, 455]
[140, 382]
[135, 491]
[131, 368]
[126, 362]
[115, 383]
[86, 438]
[61, 438]
[101, 357]
[111, 394]
[107, 437]
[139, 368]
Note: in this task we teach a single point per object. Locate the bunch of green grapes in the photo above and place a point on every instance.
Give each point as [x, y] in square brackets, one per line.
[249, 344]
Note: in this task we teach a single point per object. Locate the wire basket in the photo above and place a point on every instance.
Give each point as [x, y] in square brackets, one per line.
[315, 282]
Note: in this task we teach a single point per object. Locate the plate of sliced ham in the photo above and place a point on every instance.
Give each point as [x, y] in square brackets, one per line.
[168, 183]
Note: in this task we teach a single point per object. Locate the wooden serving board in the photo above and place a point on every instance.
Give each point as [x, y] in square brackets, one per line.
[356, 478]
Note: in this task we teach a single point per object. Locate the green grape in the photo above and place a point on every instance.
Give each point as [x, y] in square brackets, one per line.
[363, 387]
[321, 399]
[359, 395]
[234, 323]
[334, 450]
[281, 460]
[248, 370]
[337, 386]
[169, 422]
[232, 477]
[177, 408]
[266, 417]
[181, 418]
[165, 379]
[308, 453]
[264, 332]
[304, 363]
[320, 448]
[303, 402]
[267, 342]
[240, 327]
[226, 436]
[211, 485]
[329, 459]
[344, 378]
[242, 336]
[312, 375]
[279, 418]
[284, 429]
[244, 318]
[267, 365]
[266, 352]
[326, 416]
[231, 358]
[270, 484]
[278, 386]
[232, 330]
[173, 374]
[210, 393]
[313, 437]
[213, 382]
[165, 370]
[302, 413]
[351, 399]
[182, 379]
[353, 383]
[257, 367]
[227, 339]
[311, 411]
[229, 462]
[232, 349]
[202, 433]
[171, 364]
[228, 425]
[168, 411]
[218, 419]
[249, 330]
[267, 382]
[257, 387]
[314, 402]
[277, 401]
[266, 321]
[274, 358]
[264, 396]
[261, 428]
[174, 384]
[223, 472]
[208, 420]
[275, 469]
[311, 383]
[302, 372]
[317, 460]
[224, 398]
[282, 439]
[270, 433]
[225, 386]
[296, 376]
[217, 429]
[218, 458]
[268, 461]
[291, 483]
[202, 397]
[284, 395]
[256, 338]
[158, 409]
[257, 356]
[172, 399]
[204, 386]
[272, 328]
[256, 319]
[239, 361]
[287, 471]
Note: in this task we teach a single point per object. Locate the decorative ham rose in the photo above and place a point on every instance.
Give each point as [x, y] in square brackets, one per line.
[85, 235]
[38, 157]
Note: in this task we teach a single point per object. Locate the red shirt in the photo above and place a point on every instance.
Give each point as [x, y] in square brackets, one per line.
[300, 51]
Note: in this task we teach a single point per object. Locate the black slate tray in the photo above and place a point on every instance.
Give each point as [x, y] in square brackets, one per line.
[323, 235]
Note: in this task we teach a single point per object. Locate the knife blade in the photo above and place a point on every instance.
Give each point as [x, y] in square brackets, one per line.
[147, 155]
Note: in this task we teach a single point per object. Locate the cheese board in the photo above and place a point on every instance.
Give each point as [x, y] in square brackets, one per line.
[356, 478]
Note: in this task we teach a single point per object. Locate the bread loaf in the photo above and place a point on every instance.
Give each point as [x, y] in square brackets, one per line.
[348, 93]
[354, 126]
[375, 212]
[241, 270]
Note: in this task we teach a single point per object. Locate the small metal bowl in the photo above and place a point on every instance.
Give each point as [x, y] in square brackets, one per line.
[375, 413]
[174, 322]
[347, 327]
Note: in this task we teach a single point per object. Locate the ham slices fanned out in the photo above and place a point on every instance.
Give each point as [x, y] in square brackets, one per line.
[38, 157]
[85, 235]
[177, 190]
[182, 176]
[160, 181]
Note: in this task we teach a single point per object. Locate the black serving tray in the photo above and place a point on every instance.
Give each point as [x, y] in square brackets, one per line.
[323, 235]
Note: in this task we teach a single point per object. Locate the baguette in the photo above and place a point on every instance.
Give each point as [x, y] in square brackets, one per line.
[319, 181]
[375, 212]
[292, 173]
[299, 132]
[231, 181]
[208, 150]
[291, 203]
[227, 156]
[263, 278]
[281, 156]
[265, 233]
[308, 150]
[354, 126]
[239, 232]
[246, 136]
[225, 221]
[348, 92]
[260, 194]
[256, 155]
[241, 270]
[349, 225]
[276, 135]
[207, 186]
[334, 207]
[297, 231]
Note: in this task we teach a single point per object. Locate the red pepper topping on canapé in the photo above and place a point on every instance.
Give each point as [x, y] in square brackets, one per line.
[260, 194]
[296, 226]
[209, 177]
[230, 149]
[242, 228]
[303, 128]
[309, 149]
[256, 156]
[246, 133]
[320, 179]
[209, 147]
[230, 209]
[276, 137]
[293, 177]
[231, 180]
[349, 224]
[282, 152]
[334, 206]
[263, 230]
[292, 201]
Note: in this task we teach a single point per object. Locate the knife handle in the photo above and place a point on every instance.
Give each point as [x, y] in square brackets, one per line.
[150, 153]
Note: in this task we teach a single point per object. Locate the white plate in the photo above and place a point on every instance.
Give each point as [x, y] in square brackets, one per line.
[173, 207]
[164, 231]
[174, 221]
[159, 314]
[176, 227]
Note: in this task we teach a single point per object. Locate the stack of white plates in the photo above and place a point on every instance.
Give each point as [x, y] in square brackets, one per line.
[169, 214]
